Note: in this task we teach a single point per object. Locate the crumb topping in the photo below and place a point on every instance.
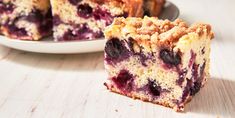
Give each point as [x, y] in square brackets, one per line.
[153, 30]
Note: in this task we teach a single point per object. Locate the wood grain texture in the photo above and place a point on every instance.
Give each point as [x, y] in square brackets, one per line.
[71, 86]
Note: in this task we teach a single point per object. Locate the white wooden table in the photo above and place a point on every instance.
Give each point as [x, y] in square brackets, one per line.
[71, 86]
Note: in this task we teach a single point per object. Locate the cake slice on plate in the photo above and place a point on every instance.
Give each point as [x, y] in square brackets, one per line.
[86, 19]
[158, 61]
[25, 19]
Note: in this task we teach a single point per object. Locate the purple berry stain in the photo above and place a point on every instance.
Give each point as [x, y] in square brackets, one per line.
[82, 32]
[194, 84]
[197, 77]
[195, 71]
[141, 55]
[192, 58]
[100, 14]
[124, 81]
[182, 74]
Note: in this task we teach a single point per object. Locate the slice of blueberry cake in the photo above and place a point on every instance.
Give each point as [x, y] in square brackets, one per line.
[25, 19]
[158, 61]
[86, 19]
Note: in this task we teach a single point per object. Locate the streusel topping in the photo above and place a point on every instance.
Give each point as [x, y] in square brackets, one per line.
[154, 30]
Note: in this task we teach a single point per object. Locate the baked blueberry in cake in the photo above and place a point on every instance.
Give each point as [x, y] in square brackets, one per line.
[158, 61]
[25, 19]
[86, 19]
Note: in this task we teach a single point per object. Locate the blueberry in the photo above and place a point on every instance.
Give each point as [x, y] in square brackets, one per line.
[35, 17]
[84, 10]
[98, 34]
[69, 36]
[43, 21]
[17, 31]
[195, 88]
[56, 20]
[74, 2]
[146, 12]
[197, 77]
[169, 57]
[154, 89]
[46, 26]
[114, 48]
[6, 7]
[124, 81]
[116, 51]
[125, 15]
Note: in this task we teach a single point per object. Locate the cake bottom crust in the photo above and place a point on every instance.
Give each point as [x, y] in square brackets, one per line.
[144, 99]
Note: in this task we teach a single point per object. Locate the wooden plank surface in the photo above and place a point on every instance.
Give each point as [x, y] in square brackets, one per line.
[71, 86]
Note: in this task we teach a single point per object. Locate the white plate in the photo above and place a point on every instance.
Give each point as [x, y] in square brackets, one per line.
[49, 46]
[170, 12]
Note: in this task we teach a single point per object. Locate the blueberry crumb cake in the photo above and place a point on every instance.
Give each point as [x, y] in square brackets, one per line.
[86, 19]
[25, 19]
[157, 61]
